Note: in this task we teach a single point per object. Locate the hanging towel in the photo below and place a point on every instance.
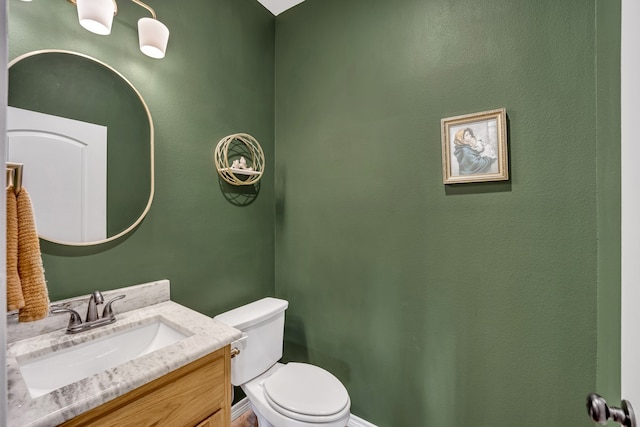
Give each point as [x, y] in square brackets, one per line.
[30, 269]
[15, 300]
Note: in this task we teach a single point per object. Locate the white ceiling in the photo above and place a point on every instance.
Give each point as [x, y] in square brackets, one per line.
[278, 6]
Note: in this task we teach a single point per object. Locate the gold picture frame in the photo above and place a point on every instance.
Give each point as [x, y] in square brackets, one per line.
[474, 147]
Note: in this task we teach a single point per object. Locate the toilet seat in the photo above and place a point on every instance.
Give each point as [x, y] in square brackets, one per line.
[306, 393]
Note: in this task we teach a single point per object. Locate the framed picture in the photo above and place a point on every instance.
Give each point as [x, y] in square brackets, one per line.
[474, 147]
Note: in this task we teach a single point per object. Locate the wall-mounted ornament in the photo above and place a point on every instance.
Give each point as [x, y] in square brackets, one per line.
[474, 147]
[239, 159]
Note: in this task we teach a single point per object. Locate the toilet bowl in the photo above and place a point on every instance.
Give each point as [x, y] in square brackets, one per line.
[298, 395]
[281, 395]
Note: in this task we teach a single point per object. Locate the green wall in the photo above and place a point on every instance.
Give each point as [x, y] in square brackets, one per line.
[468, 305]
[609, 198]
[213, 241]
[440, 306]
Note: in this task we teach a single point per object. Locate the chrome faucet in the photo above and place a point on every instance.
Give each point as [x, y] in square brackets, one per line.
[93, 320]
[92, 311]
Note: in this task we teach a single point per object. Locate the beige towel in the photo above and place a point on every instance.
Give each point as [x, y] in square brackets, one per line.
[30, 269]
[15, 300]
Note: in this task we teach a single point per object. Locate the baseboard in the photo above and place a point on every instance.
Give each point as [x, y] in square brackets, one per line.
[359, 422]
[240, 408]
[244, 405]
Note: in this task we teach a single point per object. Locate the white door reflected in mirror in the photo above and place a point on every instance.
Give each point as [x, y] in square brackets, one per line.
[65, 172]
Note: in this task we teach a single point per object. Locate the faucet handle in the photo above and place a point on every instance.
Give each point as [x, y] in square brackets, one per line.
[74, 319]
[108, 311]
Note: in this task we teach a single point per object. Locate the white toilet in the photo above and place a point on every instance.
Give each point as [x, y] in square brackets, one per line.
[282, 395]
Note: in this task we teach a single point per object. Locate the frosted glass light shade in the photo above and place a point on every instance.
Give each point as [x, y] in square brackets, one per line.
[154, 36]
[96, 15]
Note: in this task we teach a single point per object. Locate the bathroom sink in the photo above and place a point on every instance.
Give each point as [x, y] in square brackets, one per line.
[60, 367]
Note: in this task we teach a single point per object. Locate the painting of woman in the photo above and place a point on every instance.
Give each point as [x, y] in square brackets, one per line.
[474, 147]
[472, 155]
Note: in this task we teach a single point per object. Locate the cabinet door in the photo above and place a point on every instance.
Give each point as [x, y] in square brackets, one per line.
[215, 420]
[181, 398]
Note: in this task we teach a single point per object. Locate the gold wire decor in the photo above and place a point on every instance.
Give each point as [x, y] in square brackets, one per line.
[239, 159]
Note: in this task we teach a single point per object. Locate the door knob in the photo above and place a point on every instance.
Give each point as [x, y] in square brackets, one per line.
[601, 412]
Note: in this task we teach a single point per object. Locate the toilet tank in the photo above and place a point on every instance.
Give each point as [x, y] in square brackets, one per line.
[262, 326]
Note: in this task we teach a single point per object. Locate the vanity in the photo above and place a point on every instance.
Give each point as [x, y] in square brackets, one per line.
[159, 363]
[194, 395]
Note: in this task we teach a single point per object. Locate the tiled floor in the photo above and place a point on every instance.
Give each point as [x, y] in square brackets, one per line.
[248, 419]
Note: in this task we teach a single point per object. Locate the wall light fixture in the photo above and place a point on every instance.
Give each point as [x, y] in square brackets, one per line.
[97, 17]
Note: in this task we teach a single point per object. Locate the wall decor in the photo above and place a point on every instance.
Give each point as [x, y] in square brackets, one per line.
[239, 159]
[474, 147]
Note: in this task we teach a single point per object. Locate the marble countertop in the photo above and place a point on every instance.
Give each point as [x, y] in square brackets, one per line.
[205, 335]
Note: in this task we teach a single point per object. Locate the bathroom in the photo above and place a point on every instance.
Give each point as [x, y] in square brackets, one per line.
[433, 304]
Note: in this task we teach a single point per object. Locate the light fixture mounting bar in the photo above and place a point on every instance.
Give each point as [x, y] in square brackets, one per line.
[138, 2]
[146, 6]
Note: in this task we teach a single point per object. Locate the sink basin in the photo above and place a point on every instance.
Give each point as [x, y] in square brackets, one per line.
[58, 368]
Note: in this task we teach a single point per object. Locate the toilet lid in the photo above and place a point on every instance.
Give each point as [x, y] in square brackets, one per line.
[307, 390]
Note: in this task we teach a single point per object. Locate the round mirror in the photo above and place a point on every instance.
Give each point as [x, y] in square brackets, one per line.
[85, 138]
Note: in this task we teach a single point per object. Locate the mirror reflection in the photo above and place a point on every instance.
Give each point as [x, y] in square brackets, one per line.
[85, 137]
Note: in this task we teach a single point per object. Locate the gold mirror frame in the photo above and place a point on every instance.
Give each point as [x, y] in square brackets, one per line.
[151, 145]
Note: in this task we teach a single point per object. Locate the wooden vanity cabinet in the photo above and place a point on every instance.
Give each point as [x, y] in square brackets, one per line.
[215, 420]
[198, 394]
